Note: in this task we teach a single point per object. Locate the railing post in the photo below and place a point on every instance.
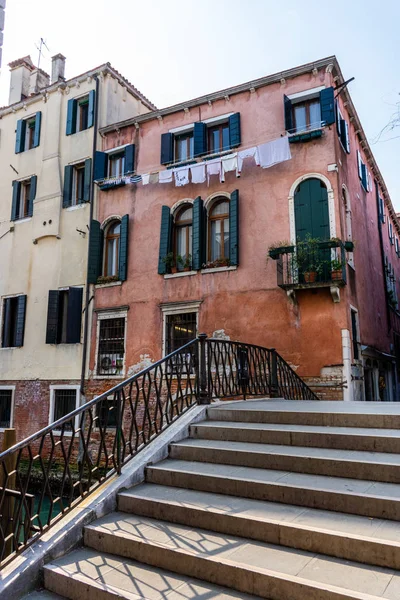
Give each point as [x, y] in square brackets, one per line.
[119, 431]
[274, 389]
[204, 394]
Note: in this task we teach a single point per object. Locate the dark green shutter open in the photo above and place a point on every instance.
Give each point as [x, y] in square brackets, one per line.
[347, 137]
[68, 177]
[15, 199]
[52, 317]
[234, 130]
[20, 136]
[87, 181]
[234, 228]
[92, 106]
[36, 133]
[71, 116]
[32, 195]
[287, 105]
[95, 251]
[123, 249]
[6, 333]
[338, 118]
[100, 166]
[167, 148]
[165, 238]
[198, 234]
[74, 315]
[129, 159]
[327, 101]
[199, 139]
[20, 322]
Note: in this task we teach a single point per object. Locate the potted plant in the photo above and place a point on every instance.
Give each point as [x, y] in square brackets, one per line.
[169, 262]
[187, 265]
[179, 263]
[308, 258]
[278, 248]
[336, 269]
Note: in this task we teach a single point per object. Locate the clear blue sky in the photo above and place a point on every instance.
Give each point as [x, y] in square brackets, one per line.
[174, 50]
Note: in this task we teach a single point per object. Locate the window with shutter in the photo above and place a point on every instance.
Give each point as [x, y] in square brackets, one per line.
[24, 193]
[234, 228]
[123, 249]
[95, 253]
[165, 240]
[13, 326]
[64, 399]
[28, 133]
[100, 166]
[64, 316]
[80, 113]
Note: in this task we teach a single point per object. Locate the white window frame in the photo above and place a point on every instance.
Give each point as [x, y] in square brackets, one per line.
[174, 308]
[53, 399]
[102, 316]
[12, 388]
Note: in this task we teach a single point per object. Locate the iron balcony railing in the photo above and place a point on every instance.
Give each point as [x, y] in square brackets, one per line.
[47, 474]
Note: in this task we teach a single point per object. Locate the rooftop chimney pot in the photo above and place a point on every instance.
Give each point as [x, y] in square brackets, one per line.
[57, 68]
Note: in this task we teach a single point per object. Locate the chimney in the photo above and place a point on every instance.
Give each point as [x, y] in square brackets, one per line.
[20, 79]
[57, 68]
[38, 80]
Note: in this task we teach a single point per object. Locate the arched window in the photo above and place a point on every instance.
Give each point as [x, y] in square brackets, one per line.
[183, 235]
[218, 230]
[111, 243]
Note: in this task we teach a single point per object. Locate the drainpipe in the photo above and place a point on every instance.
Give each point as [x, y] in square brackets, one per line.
[91, 201]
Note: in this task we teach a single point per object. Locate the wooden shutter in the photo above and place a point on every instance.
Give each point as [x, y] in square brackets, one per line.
[52, 317]
[92, 106]
[198, 234]
[20, 322]
[6, 341]
[100, 166]
[74, 315]
[15, 199]
[347, 137]
[129, 159]
[338, 118]
[287, 105]
[165, 238]
[123, 249]
[199, 139]
[87, 182]
[68, 177]
[359, 164]
[72, 107]
[167, 148]
[234, 228]
[327, 101]
[32, 195]
[36, 134]
[20, 136]
[234, 130]
[95, 252]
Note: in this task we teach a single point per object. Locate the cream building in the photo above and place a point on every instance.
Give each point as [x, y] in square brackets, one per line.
[48, 137]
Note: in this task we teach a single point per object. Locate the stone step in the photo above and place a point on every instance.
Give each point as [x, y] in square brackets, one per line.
[90, 575]
[318, 461]
[341, 438]
[43, 595]
[371, 541]
[374, 415]
[354, 496]
[249, 567]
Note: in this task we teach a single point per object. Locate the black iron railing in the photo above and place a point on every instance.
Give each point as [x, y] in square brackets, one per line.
[44, 476]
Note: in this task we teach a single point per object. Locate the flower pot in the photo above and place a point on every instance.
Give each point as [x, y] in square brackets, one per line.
[336, 275]
[310, 276]
[186, 268]
[174, 269]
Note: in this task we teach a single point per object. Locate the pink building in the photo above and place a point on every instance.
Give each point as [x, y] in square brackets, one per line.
[251, 238]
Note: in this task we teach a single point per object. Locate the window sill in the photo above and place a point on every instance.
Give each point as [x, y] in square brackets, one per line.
[122, 376]
[218, 270]
[180, 274]
[76, 206]
[106, 285]
[23, 220]
[2, 429]
[305, 136]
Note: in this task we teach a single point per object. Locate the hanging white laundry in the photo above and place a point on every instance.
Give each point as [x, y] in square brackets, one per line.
[165, 176]
[198, 173]
[229, 163]
[154, 177]
[247, 153]
[214, 168]
[146, 178]
[181, 176]
[274, 152]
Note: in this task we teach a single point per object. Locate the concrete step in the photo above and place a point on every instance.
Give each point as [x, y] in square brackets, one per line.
[248, 567]
[371, 541]
[340, 438]
[90, 575]
[378, 466]
[43, 595]
[354, 496]
[385, 415]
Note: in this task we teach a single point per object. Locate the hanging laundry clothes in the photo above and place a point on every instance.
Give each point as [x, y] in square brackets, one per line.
[247, 153]
[181, 176]
[154, 177]
[165, 176]
[274, 152]
[198, 173]
[229, 163]
[146, 179]
[214, 168]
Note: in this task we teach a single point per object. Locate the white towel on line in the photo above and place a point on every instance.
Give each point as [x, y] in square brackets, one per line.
[214, 167]
[229, 163]
[274, 152]
[181, 175]
[165, 176]
[198, 173]
[146, 179]
[248, 153]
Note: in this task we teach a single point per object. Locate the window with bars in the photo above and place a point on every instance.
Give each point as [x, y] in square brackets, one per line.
[5, 408]
[111, 346]
[106, 412]
[180, 329]
[64, 403]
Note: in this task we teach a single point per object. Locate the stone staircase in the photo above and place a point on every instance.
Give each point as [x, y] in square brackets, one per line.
[274, 499]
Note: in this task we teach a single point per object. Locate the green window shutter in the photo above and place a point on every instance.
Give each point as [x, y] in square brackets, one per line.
[123, 249]
[167, 148]
[338, 118]
[6, 342]
[347, 138]
[165, 238]
[199, 139]
[100, 166]
[74, 315]
[20, 322]
[20, 137]
[52, 317]
[92, 106]
[234, 130]
[327, 101]
[32, 195]
[15, 199]
[72, 107]
[234, 228]
[359, 164]
[129, 159]
[198, 234]
[87, 183]
[36, 134]
[95, 252]
[68, 177]
[287, 105]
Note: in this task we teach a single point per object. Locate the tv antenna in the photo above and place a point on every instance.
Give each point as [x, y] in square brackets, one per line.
[41, 44]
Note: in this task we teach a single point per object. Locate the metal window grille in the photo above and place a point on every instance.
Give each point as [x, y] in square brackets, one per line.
[111, 347]
[180, 330]
[64, 403]
[5, 408]
[106, 412]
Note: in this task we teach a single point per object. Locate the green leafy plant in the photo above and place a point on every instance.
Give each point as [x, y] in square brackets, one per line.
[107, 279]
[169, 260]
[188, 262]
[337, 265]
